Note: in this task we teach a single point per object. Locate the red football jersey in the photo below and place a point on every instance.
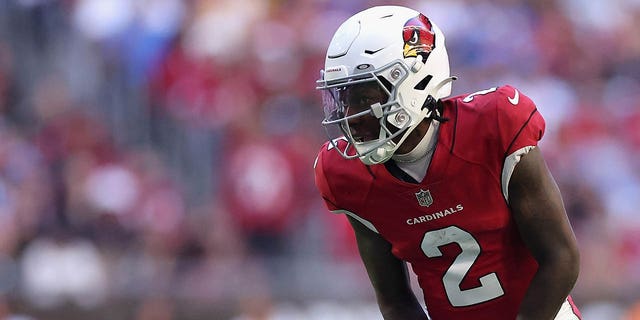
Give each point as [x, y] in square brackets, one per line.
[454, 227]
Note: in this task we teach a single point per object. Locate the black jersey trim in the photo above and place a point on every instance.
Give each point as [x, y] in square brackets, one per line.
[395, 171]
[520, 131]
[455, 126]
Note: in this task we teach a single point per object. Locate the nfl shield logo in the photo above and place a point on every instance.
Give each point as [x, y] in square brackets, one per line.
[424, 198]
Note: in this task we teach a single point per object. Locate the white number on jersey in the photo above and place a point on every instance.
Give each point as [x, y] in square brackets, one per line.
[468, 98]
[489, 288]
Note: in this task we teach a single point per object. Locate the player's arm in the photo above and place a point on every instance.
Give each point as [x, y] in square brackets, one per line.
[539, 212]
[388, 276]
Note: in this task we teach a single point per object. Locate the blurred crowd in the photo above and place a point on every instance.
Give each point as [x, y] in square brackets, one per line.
[156, 155]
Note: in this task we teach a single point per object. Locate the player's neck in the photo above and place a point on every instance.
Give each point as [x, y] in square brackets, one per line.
[416, 162]
[423, 147]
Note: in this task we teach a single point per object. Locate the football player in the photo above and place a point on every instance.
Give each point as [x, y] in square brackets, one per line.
[456, 187]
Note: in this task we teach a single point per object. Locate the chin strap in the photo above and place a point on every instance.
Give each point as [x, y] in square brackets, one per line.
[431, 104]
[385, 152]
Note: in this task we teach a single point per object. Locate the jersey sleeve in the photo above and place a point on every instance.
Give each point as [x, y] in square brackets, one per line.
[321, 179]
[521, 126]
[519, 122]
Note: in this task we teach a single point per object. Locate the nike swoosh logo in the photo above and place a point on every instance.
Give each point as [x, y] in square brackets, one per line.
[516, 98]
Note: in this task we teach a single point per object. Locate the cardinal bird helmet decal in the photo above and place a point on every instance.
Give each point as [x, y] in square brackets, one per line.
[419, 37]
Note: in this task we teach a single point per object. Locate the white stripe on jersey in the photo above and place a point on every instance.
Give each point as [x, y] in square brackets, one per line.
[365, 222]
[566, 312]
[508, 167]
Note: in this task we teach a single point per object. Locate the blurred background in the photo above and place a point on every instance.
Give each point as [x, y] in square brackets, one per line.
[156, 155]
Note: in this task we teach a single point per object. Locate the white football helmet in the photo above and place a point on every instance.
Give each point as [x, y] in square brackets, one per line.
[402, 51]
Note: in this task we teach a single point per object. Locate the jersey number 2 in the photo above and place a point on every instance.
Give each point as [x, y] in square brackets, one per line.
[489, 287]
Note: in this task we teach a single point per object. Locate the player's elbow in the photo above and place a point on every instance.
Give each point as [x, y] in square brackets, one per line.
[564, 263]
[570, 256]
[568, 269]
[572, 262]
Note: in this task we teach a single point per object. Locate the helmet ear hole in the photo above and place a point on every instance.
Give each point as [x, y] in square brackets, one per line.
[423, 83]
